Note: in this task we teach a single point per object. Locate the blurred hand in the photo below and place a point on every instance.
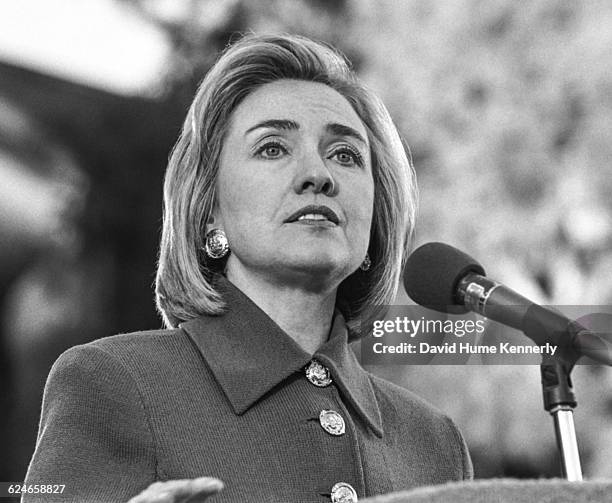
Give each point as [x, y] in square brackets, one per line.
[179, 491]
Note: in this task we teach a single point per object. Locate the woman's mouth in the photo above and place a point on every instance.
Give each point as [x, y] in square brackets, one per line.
[315, 215]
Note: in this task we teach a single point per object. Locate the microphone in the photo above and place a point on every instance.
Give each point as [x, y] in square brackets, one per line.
[441, 277]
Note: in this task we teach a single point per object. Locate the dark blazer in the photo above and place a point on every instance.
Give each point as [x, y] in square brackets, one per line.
[227, 396]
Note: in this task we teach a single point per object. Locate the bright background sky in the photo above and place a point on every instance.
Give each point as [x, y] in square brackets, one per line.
[96, 42]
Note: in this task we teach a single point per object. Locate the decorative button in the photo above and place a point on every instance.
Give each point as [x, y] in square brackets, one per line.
[343, 493]
[318, 374]
[332, 422]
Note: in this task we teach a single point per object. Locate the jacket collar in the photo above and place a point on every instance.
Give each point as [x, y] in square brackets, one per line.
[249, 354]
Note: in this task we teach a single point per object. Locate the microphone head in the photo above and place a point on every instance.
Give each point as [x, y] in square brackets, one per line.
[432, 275]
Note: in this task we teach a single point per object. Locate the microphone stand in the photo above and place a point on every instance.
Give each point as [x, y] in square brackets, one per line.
[560, 401]
[557, 388]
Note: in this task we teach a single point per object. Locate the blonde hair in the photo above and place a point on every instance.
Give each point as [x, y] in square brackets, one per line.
[183, 283]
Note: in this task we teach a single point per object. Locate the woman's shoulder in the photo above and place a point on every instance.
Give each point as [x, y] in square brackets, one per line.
[142, 339]
[126, 352]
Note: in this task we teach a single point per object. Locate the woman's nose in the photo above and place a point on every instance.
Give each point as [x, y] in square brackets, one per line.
[313, 175]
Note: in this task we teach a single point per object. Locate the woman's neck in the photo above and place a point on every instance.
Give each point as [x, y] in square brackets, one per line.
[304, 315]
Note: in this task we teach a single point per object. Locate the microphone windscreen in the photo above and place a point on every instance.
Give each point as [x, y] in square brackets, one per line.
[432, 274]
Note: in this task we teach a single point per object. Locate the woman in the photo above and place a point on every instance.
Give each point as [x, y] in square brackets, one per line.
[289, 201]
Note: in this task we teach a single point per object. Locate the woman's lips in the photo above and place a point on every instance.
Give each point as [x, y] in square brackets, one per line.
[314, 215]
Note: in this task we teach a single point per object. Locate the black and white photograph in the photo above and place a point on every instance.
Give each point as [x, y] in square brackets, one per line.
[305, 251]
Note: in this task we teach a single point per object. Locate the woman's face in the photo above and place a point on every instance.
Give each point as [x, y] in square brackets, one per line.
[295, 190]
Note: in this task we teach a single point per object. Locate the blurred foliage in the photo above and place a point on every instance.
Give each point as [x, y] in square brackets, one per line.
[507, 107]
[199, 29]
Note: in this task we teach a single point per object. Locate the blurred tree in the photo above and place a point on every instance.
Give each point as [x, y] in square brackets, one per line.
[200, 29]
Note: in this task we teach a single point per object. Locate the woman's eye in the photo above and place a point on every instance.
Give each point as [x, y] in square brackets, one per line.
[271, 151]
[347, 157]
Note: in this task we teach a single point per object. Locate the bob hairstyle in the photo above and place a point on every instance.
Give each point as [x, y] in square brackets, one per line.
[184, 285]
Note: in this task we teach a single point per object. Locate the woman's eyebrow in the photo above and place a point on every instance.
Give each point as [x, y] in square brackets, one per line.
[333, 128]
[274, 123]
[343, 130]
